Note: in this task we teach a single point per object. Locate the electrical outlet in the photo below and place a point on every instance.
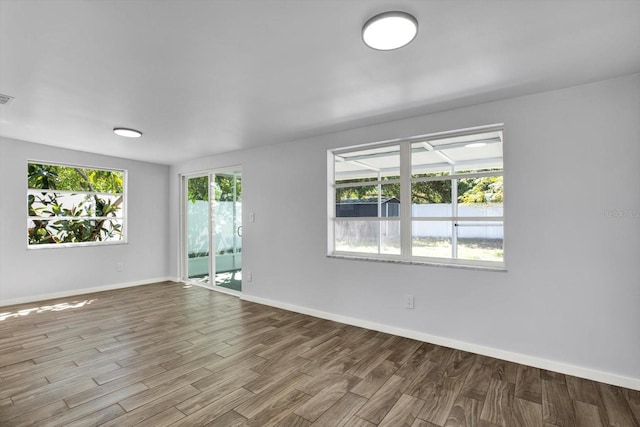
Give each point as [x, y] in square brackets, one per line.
[119, 266]
[248, 276]
[408, 301]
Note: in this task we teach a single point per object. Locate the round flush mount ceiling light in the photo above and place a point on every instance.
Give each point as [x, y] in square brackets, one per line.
[128, 133]
[389, 30]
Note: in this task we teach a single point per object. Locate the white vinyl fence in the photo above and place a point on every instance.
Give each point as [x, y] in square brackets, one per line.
[467, 229]
[349, 228]
[198, 232]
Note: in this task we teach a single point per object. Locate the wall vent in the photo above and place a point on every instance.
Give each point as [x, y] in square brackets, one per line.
[5, 99]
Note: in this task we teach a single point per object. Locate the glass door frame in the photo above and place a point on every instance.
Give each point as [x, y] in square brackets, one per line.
[226, 264]
[184, 234]
[184, 228]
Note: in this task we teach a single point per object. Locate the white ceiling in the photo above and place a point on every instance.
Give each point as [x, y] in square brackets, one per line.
[203, 77]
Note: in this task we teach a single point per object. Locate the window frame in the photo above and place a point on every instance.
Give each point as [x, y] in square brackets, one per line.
[123, 217]
[406, 217]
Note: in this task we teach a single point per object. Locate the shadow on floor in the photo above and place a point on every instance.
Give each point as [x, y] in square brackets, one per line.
[230, 280]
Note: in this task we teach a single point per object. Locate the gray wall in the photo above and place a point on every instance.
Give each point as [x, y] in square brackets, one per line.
[29, 274]
[572, 163]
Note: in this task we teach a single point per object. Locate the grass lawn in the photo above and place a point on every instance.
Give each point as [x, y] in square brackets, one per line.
[473, 249]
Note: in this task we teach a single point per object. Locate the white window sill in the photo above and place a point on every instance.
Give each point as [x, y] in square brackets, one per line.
[74, 245]
[416, 262]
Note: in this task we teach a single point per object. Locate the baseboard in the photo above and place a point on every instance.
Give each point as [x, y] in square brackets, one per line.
[523, 359]
[76, 292]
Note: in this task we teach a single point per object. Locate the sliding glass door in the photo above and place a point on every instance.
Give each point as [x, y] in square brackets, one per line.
[227, 225]
[213, 229]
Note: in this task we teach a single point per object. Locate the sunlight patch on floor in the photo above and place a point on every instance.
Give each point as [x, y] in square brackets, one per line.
[45, 308]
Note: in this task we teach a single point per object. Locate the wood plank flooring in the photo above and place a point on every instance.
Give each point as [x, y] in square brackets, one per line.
[166, 354]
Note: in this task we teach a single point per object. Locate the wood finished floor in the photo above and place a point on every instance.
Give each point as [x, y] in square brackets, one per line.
[163, 354]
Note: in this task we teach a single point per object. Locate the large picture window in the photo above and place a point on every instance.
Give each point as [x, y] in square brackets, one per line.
[73, 205]
[431, 199]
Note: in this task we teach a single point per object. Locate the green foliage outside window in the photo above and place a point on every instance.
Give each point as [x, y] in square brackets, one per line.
[487, 189]
[198, 188]
[74, 205]
[470, 190]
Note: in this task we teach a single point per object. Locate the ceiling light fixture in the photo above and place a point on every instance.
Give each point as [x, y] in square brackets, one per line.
[128, 133]
[389, 30]
[475, 145]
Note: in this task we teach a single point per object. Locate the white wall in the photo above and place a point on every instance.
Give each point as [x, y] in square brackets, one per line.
[33, 274]
[569, 296]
